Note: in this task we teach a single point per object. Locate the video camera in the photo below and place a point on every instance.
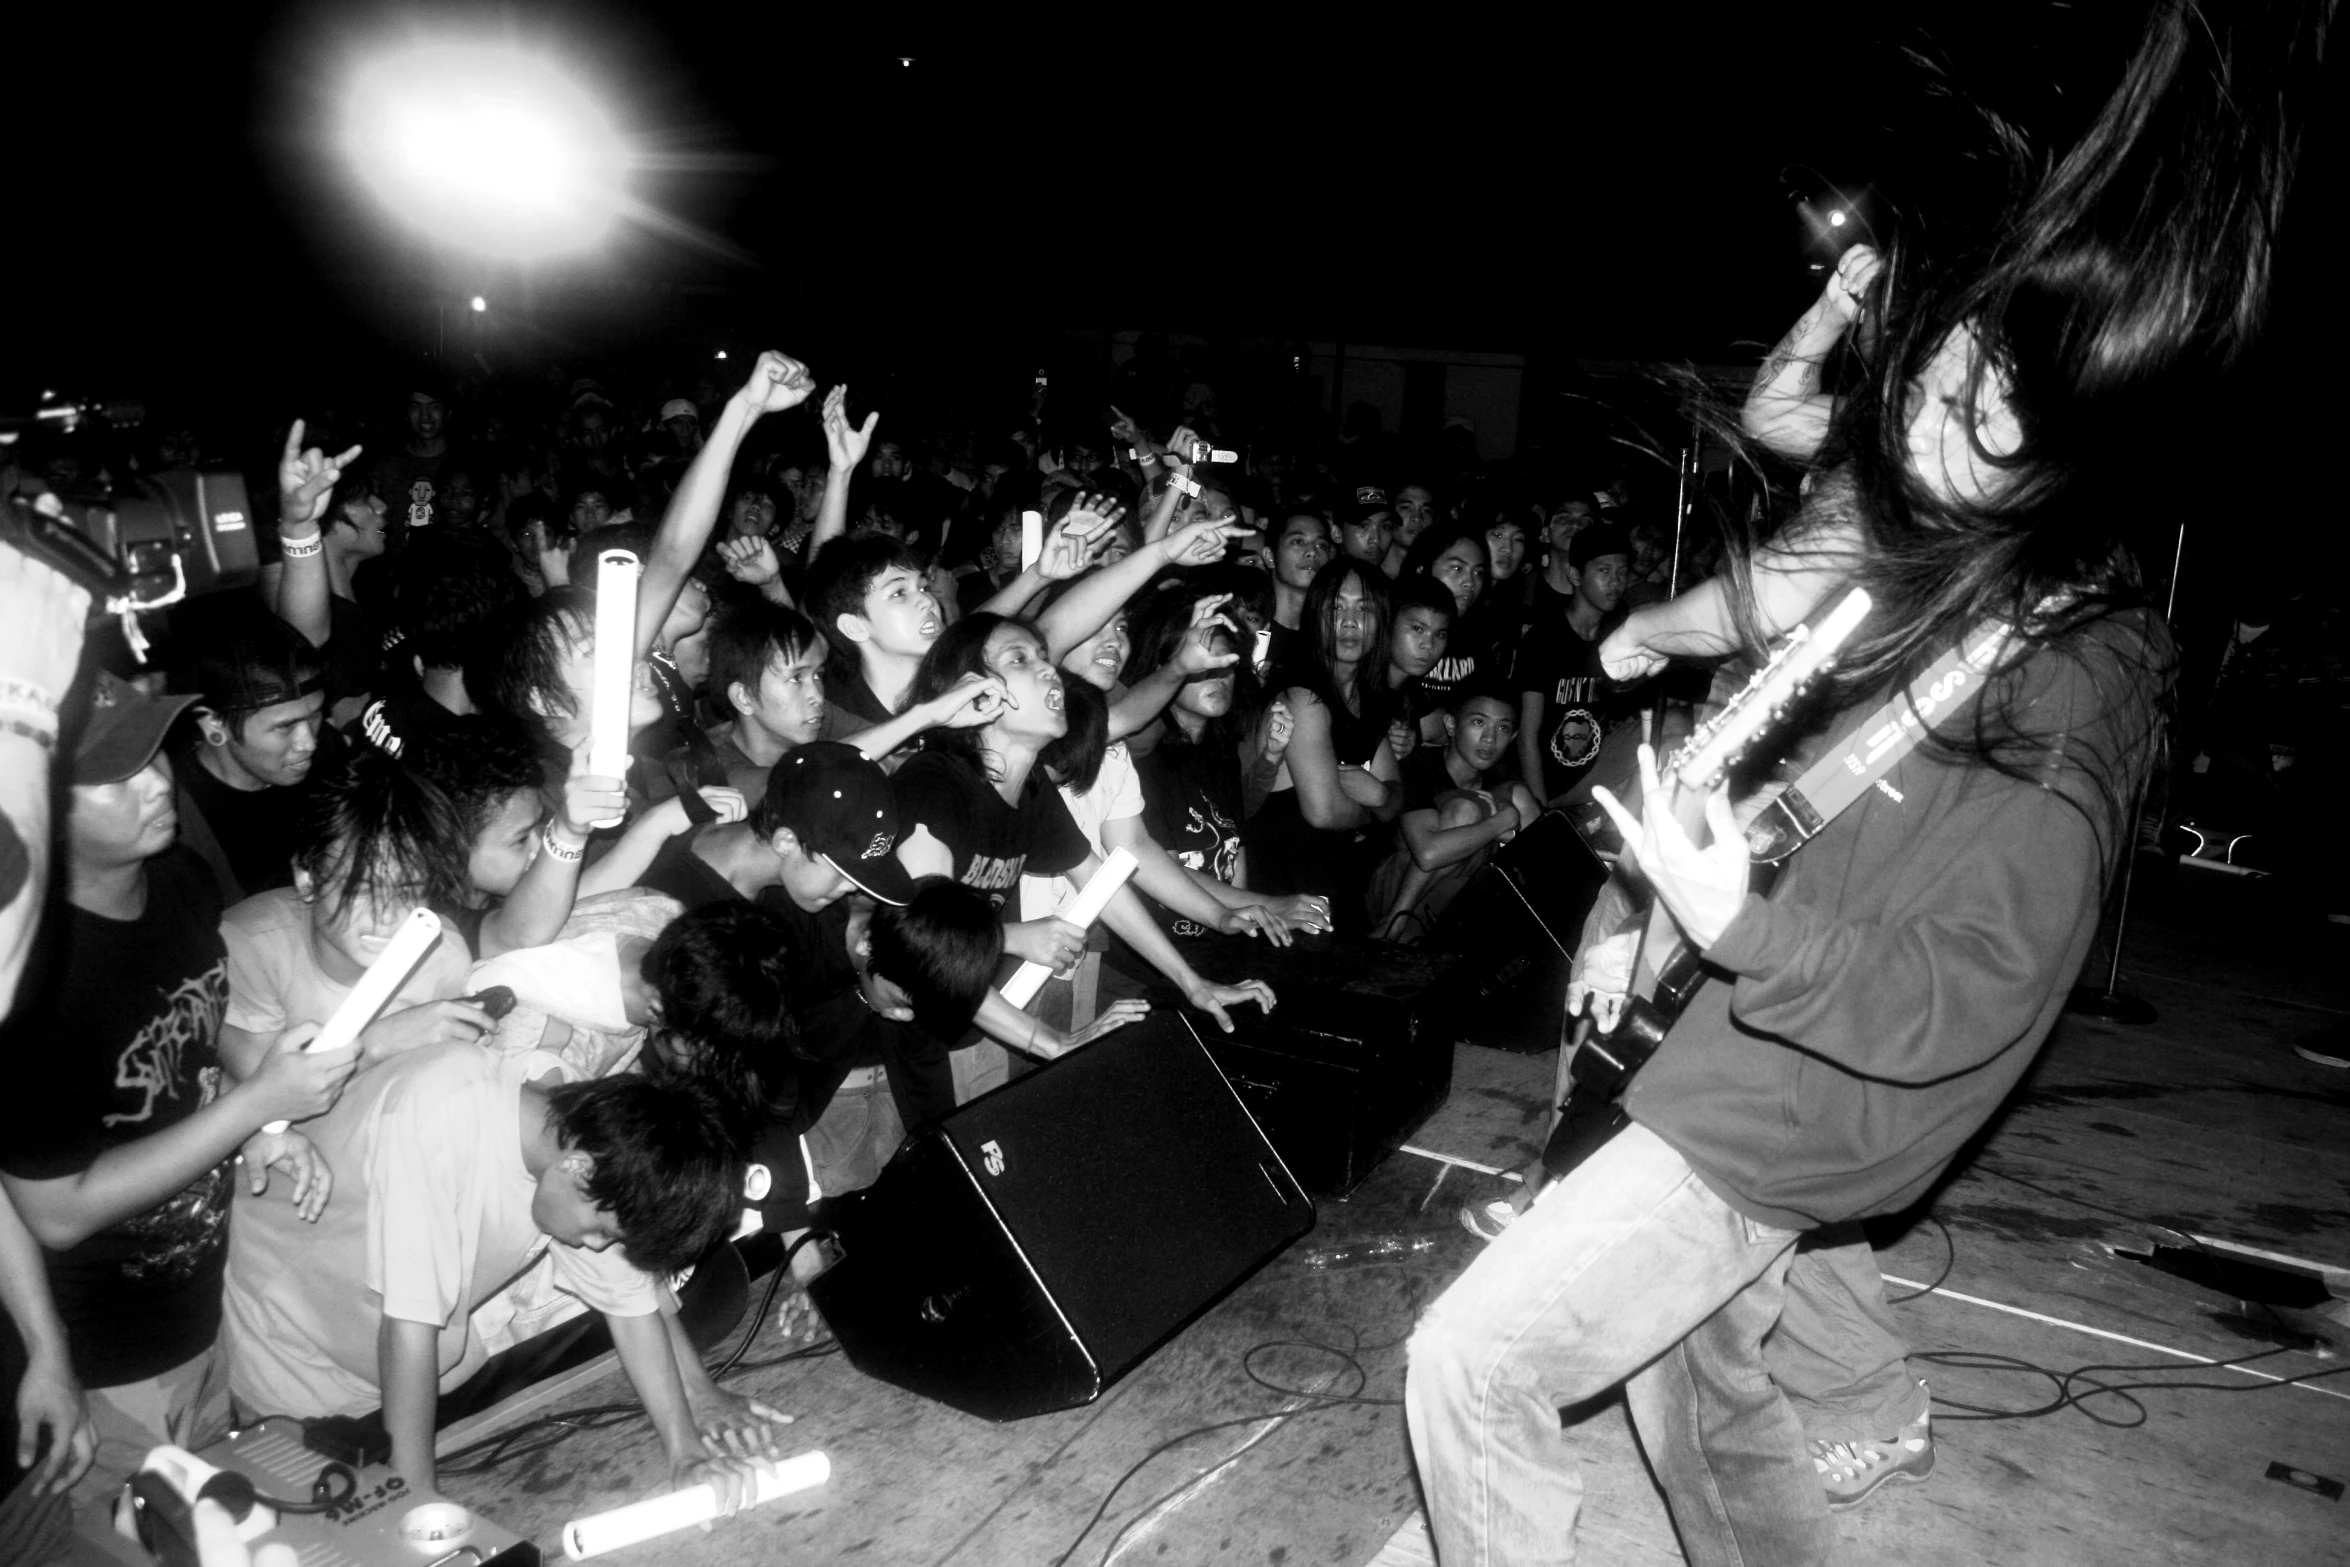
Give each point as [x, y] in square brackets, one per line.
[140, 541]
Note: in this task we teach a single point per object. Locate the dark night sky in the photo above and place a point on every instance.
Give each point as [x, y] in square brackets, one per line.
[1587, 190]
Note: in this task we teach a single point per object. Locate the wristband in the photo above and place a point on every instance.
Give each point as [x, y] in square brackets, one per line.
[556, 847]
[301, 549]
[25, 696]
[46, 739]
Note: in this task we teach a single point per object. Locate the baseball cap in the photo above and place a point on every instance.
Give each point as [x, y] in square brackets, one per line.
[1600, 538]
[1369, 500]
[124, 730]
[839, 805]
[677, 408]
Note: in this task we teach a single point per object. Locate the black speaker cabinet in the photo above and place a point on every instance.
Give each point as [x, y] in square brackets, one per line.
[1034, 1247]
[1347, 1066]
[1514, 928]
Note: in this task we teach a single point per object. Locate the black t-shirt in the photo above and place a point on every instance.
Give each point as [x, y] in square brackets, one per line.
[685, 875]
[254, 829]
[113, 1041]
[1191, 804]
[1563, 668]
[993, 843]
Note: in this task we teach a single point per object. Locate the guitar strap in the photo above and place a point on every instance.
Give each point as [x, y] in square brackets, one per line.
[1849, 768]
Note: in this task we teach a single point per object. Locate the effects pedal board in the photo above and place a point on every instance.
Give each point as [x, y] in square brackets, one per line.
[379, 1524]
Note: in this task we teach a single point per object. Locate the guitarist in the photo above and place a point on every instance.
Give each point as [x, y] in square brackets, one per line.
[1869, 1016]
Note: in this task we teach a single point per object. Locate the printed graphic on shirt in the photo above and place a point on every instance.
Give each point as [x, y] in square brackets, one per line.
[1574, 739]
[994, 876]
[420, 498]
[151, 1064]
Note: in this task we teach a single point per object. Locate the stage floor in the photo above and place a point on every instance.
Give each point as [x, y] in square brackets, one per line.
[2202, 1130]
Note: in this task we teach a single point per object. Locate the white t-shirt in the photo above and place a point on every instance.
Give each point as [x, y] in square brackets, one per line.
[1116, 793]
[274, 980]
[430, 1216]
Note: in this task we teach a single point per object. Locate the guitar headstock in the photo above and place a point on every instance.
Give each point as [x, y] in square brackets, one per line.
[1806, 654]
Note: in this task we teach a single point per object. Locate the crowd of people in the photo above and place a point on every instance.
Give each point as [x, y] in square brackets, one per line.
[892, 702]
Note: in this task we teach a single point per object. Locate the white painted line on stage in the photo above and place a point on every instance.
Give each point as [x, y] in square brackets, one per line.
[1459, 1163]
[2118, 1338]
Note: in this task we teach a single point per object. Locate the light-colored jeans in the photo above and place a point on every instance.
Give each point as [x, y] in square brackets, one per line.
[187, 1406]
[1837, 1353]
[1629, 1269]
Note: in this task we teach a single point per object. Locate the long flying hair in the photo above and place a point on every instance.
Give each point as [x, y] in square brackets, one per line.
[2104, 307]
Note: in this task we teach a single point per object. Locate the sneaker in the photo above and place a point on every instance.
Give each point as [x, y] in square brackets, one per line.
[1486, 1220]
[1852, 1471]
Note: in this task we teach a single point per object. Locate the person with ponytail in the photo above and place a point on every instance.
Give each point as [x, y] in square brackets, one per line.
[2025, 406]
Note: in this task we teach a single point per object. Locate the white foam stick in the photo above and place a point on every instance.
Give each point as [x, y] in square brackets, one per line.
[585, 1537]
[1081, 910]
[616, 579]
[386, 974]
[1031, 538]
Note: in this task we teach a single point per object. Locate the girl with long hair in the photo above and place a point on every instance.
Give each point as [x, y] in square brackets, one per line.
[1320, 830]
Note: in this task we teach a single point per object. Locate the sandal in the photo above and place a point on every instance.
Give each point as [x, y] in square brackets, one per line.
[1852, 1471]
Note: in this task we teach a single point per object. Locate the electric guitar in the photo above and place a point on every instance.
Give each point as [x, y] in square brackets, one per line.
[1669, 969]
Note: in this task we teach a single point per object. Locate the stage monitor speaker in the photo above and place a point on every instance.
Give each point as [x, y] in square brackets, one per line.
[1514, 928]
[1034, 1247]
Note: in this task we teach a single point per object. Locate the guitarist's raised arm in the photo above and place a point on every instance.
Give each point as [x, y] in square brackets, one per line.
[1790, 577]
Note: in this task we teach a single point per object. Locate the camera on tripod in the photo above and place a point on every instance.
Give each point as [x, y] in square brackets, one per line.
[136, 541]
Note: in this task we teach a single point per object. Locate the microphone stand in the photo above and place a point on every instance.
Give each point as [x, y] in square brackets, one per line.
[2109, 1004]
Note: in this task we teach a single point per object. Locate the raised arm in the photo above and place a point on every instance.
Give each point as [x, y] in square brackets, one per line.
[1087, 607]
[845, 446]
[1785, 409]
[776, 383]
[306, 480]
[1195, 655]
[43, 614]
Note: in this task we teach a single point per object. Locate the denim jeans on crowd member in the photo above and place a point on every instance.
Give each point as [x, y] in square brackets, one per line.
[1837, 1353]
[1630, 1268]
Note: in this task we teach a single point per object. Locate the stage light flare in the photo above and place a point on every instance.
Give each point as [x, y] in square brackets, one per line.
[1835, 220]
[490, 149]
[480, 304]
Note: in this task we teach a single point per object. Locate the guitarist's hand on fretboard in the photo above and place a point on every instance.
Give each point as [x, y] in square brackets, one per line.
[1703, 889]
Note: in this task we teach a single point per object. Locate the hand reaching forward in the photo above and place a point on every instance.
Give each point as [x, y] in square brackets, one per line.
[1196, 654]
[777, 382]
[1198, 543]
[295, 1154]
[845, 444]
[305, 478]
[1213, 999]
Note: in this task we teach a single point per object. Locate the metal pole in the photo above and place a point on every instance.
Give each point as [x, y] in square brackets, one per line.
[2109, 1003]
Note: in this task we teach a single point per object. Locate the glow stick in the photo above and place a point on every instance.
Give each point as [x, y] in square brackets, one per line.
[616, 574]
[585, 1537]
[1081, 910]
[1031, 538]
[386, 974]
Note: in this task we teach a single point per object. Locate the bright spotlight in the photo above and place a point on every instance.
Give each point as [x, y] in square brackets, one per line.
[722, 353]
[1835, 220]
[486, 148]
[480, 304]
